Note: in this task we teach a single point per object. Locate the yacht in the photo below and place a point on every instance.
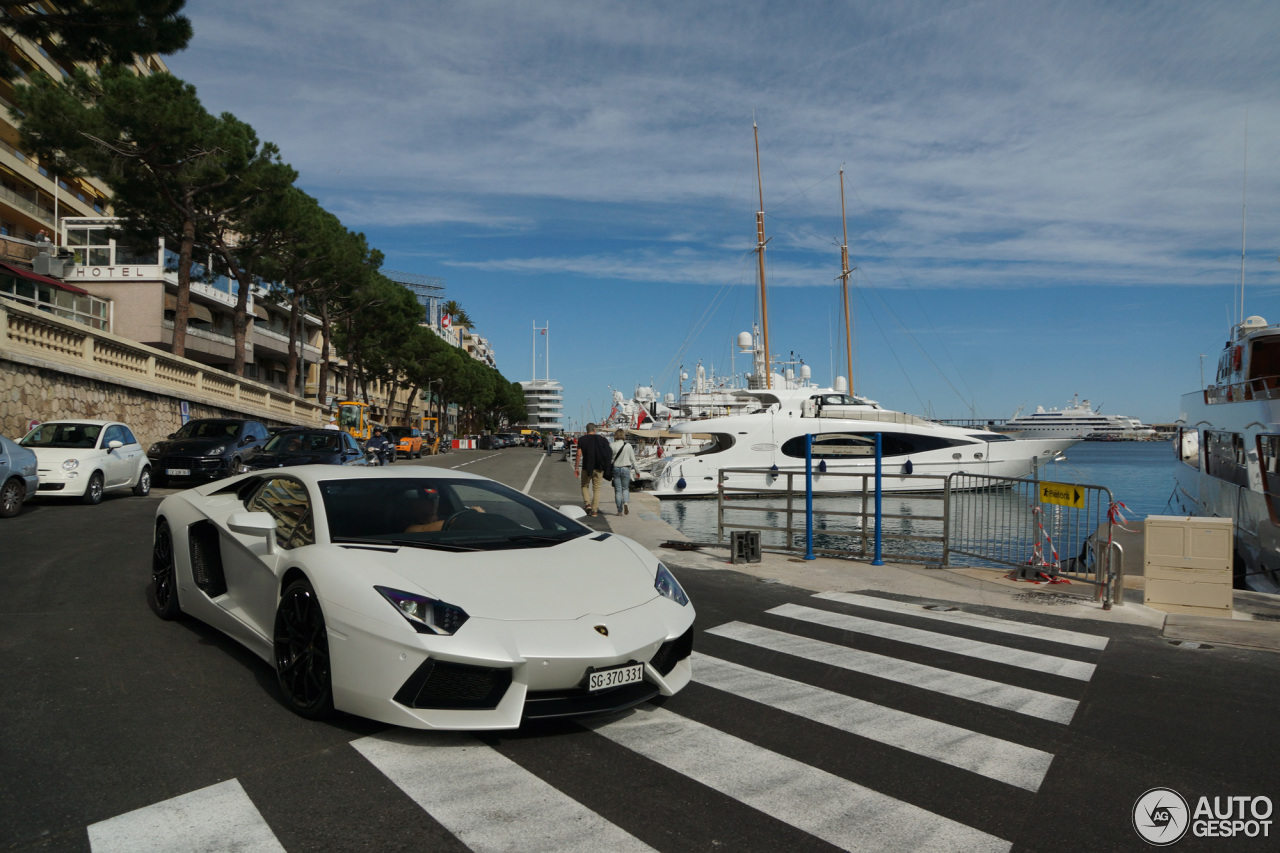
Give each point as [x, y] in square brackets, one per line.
[916, 454]
[1228, 445]
[1077, 420]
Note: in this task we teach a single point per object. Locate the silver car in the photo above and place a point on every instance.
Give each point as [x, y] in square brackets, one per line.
[18, 477]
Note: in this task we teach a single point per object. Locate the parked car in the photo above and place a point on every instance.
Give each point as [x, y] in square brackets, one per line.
[308, 446]
[18, 477]
[453, 601]
[557, 443]
[206, 449]
[86, 459]
[408, 441]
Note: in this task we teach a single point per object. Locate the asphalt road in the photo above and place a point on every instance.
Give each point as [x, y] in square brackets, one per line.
[813, 724]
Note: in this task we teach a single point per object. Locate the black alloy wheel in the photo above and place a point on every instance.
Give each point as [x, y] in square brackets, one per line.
[162, 594]
[93, 494]
[144, 482]
[11, 497]
[301, 644]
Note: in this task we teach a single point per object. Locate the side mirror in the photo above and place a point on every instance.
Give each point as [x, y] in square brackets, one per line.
[172, 434]
[255, 524]
[114, 445]
[573, 511]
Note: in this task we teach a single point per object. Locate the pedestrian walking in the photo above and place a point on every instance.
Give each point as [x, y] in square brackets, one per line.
[591, 464]
[624, 468]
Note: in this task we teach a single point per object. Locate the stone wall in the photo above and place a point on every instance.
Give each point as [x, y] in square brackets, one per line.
[44, 393]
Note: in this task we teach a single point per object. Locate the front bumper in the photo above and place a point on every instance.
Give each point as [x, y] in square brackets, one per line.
[198, 467]
[494, 674]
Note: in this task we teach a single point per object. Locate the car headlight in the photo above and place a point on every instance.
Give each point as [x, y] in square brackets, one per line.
[71, 465]
[426, 615]
[215, 451]
[668, 587]
[155, 449]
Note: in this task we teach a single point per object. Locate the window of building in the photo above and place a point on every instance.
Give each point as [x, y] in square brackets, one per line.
[1225, 457]
[79, 307]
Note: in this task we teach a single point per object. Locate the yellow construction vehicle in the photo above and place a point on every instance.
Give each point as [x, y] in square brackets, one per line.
[353, 417]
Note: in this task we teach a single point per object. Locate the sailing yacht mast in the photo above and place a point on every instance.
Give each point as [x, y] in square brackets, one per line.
[844, 277]
[760, 241]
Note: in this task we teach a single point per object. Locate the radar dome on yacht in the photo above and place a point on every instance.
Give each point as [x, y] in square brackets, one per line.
[1254, 322]
[684, 377]
[805, 372]
[744, 340]
[670, 399]
[791, 374]
[842, 384]
[617, 396]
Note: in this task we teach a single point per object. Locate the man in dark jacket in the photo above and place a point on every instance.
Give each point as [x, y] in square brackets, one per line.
[591, 464]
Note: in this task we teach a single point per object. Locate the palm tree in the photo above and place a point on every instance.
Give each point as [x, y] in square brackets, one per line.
[457, 312]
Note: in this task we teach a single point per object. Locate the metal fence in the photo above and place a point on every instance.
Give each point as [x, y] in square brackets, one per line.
[960, 519]
[844, 519]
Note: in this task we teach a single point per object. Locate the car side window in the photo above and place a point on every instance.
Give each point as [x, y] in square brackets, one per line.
[286, 501]
[350, 443]
[128, 435]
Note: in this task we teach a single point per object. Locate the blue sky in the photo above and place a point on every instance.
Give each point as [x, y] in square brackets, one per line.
[1043, 198]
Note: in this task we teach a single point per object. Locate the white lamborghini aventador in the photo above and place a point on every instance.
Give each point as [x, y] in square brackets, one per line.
[423, 597]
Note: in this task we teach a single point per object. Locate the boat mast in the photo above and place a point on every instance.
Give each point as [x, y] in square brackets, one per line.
[1244, 212]
[760, 241]
[844, 277]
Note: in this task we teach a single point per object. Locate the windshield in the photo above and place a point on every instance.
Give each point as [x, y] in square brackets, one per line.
[434, 512]
[80, 436]
[304, 442]
[400, 432]
[208, 429]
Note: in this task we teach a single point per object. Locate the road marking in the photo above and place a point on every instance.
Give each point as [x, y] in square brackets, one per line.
[987, 756]
[1020, 699]
[474, 461]
[218, 818]
[1065, 667]
[836, 810]
[541, 456]
[488, 801]
[990, 623]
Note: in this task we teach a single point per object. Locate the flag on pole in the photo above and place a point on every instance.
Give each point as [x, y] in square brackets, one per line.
[445, 321]
[544, 331]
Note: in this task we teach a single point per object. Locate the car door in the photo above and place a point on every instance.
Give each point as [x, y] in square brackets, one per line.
[253, 437]
[351, 452]
[116, 468]
[133, 453]
[249, 566]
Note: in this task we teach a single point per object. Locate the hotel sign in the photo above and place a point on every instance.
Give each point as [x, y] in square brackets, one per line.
[114, 273]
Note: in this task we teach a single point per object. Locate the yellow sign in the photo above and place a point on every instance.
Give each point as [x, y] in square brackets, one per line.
[1062, 494]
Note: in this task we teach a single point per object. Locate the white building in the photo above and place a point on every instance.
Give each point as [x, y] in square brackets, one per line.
[544, 403]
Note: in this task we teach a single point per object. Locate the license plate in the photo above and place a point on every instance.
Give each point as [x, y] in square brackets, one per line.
[603, 679]
[179, 472]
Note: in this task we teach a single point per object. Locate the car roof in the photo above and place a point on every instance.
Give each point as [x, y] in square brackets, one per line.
[321, 473]
[80, 421]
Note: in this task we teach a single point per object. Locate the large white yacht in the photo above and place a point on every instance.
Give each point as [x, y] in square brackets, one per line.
[1076, 420]
[844, 426]
[1228, 443]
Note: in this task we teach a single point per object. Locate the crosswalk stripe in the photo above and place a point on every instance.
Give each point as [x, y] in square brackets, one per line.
[988, 756]
[836, 810]
[218, 818]
[1020, 699]
[488, 801]
[1065, 667]
[990, 623]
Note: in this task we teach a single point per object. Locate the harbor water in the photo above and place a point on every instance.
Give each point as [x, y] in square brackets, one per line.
[1138, 474]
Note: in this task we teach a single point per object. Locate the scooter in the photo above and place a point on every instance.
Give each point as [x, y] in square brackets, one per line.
[375, 455]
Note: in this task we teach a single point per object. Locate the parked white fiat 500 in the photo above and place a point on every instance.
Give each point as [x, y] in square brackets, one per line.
[86, 459]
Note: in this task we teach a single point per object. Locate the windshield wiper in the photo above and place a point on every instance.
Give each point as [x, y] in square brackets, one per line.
[539, 537]
[402, 543]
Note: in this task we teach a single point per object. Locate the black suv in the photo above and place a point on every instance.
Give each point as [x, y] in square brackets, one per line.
[206, 449]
